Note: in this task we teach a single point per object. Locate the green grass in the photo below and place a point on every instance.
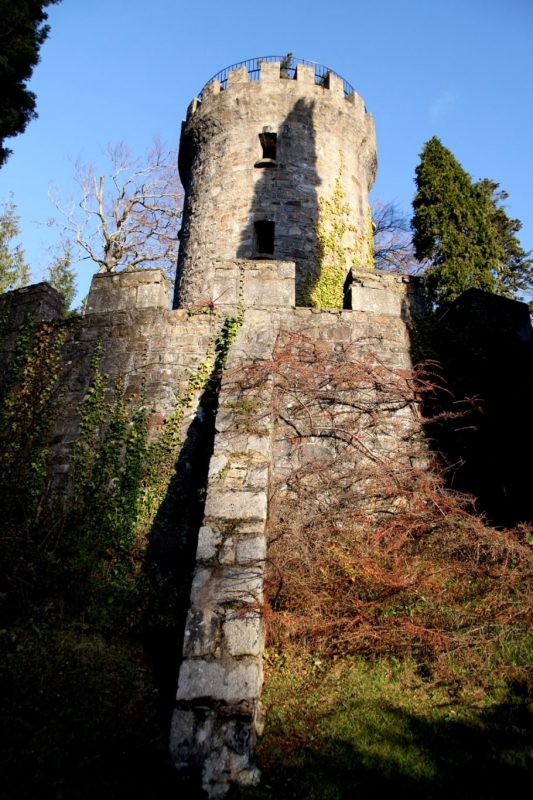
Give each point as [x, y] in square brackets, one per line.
[349, 728]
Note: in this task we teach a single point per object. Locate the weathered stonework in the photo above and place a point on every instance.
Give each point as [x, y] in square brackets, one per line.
[39, 301]
[387, 293]
[144, 342]
[218, 712]
[322, 135]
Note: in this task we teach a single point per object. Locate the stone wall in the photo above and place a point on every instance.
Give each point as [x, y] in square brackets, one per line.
[218, 714]
[386, 293]
[39, 301]
[155, 350]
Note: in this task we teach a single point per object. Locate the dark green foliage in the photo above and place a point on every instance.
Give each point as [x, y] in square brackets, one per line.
[76, 690]
[515, 275]
[22, 32]
[28, 399]
[453, 227]
[285, 67]
[98, 551]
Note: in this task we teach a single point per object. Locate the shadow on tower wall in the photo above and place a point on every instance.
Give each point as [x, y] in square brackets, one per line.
[286, 195]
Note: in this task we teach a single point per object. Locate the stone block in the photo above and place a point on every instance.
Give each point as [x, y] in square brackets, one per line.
[227, 552]
[257, 476]
[182, 738]
[239, 75]
[226, 286]
[355, 100]
[231, 683]
[200, 587]
[335, 85]
[305, 75]
[251, 550]
[234, 505]
[39, 299]
[375, 300]
[122, 291]
[152, 295]
[208, 543]
[211, 89]
[239, 584]
[202, 632]
[270, 71]
[243, 636]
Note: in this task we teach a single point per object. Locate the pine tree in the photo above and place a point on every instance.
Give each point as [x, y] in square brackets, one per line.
[22, 32]
[453, 227]
[60, 273]
[14, 271]
[515, 273]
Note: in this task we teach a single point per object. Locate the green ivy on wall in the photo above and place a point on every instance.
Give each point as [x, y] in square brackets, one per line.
[84, 545]
[335, 255]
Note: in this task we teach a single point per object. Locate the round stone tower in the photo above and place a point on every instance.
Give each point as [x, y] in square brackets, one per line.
[277, 157]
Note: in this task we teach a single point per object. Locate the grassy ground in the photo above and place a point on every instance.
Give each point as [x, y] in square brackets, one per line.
[349, 728]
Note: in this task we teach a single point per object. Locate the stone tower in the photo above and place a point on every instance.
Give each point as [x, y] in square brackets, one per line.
[262, 149]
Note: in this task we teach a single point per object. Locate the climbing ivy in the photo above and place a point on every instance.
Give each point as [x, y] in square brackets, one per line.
[83, 614]
[28, 403]
[82, 546]
[162, 454]
[335, 256]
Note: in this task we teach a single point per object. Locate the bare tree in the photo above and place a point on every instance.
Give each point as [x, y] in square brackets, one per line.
[130, 217]
[393, 248]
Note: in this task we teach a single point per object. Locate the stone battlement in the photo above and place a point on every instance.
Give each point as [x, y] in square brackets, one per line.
[270, 70]
[331, 89]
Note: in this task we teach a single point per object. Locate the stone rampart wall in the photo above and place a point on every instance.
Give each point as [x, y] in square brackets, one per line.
[155, 350]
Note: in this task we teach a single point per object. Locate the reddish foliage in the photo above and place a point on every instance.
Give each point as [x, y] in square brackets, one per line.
[370, 552]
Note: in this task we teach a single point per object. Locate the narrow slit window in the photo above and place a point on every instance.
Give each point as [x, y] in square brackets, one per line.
[264, 237]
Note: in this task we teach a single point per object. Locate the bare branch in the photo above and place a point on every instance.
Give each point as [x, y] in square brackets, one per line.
[130, 217]
[393, 249]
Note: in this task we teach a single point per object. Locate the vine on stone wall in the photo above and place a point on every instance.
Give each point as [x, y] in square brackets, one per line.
[335, 256]
[83, 544]
[78, 600]
[28, 403]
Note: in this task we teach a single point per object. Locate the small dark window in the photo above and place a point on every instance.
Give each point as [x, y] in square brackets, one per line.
[264, 237]
[269, 142]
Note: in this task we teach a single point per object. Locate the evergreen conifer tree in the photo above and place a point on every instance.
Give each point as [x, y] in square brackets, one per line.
[14, 271]
[453, 227]
[22, 33]
[60, 273]
[515, 273]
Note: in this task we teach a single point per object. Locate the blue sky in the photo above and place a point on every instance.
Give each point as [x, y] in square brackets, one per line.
[116, 70]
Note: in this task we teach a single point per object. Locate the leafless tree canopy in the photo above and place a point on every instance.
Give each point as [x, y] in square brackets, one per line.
[393, 249]
[130, 217]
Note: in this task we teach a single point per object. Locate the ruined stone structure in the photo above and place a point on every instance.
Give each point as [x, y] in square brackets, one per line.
[267, 151]
[258, 152]
[261, 149]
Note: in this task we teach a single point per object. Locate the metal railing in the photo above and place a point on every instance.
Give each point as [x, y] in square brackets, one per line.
[288, 70]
